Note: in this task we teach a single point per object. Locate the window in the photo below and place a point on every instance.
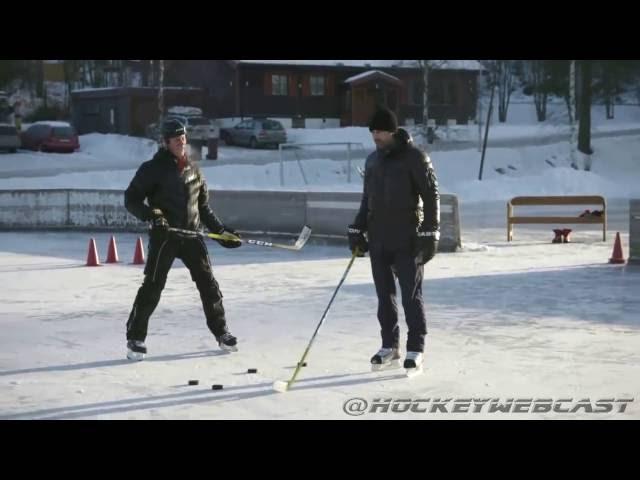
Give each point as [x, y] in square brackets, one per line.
[63, 132]
[317, 85]
[271, 125]
[279, 85]
[183, 120]
[452, 98]
[436, 93]
[111, 79]
[40, 131]
[135, 79]
[193, 121]
[415, 94]
[91, 109]
[8, 130]
[443, 93]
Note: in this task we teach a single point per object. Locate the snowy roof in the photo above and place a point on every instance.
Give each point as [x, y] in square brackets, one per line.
[185, 110]
[436, 64]
[98, 89]
[371, 73]
[53, 123]
[92, 89]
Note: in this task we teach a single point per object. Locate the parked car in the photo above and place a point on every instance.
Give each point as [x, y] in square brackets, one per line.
[51, 137]
[9, 138]
[254, 133]
[198, 127]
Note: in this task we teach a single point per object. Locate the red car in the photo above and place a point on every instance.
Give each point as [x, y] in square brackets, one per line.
[51, 137]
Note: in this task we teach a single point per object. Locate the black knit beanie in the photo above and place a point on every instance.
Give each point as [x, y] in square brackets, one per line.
[383, 119]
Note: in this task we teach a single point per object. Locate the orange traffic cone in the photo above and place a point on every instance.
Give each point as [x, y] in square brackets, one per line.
[112, 254]
[617, 256]
[138, 257]
[92, 258]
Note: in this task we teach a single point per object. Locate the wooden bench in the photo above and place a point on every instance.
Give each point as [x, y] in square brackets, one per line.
[565, 200]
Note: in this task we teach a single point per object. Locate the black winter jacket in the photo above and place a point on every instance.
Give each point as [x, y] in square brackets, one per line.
[182, 197]
[400, 195]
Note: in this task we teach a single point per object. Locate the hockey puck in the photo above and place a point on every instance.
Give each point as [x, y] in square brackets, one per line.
[216, 387]
[194, 382]
[304, 364]
[252, 370]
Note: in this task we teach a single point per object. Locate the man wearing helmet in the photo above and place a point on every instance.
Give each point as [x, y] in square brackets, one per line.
[177, 196]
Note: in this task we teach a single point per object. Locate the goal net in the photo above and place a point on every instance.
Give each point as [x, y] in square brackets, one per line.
[321, 163]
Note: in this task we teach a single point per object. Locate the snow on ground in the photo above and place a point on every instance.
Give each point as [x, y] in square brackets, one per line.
[97, 151]
[522, 113]
[522, 320]
[346, 134]
[110, 161]
[526, 319]
[542, 170]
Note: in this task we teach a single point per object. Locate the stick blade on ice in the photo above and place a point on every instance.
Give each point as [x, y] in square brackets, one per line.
[280, 386]
[304, 236]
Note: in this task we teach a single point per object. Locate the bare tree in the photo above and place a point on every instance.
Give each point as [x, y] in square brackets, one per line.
[571, 102]
[538, 79]
[505, 84]
[152, 77]
[71, 73]
[9, 71]
[492, 80]
[584, 127]
[89, 73]
[609, 84]
[32, 71]
[611, 78]
[427, 66]
[160, 97]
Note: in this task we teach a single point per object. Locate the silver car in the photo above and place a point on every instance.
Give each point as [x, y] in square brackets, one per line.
[198, 128]
[9, 138]
[255, 133]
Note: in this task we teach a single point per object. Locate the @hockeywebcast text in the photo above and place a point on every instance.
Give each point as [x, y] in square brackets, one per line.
[360, 406]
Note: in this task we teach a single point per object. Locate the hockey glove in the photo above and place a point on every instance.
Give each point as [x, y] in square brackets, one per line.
[159, 224]
[229, 243]
[357, 241]
[426, 245]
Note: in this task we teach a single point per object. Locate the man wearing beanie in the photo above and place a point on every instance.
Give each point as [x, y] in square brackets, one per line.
[177, 196]
[400, 215]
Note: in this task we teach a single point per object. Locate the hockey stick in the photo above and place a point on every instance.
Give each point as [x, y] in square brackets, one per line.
[300, 242]
[282, 386]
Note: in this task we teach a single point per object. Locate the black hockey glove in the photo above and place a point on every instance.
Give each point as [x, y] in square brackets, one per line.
[159, 224]
[426, 245]
[357, 240]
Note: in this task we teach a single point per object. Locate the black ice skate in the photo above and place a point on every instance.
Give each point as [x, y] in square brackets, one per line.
[227, 342]
[385, 358]
[136, 350]
[413, 363]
